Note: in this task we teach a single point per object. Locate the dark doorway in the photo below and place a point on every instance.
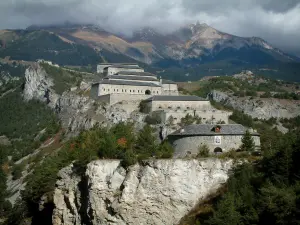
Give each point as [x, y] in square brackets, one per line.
[148, 92]
[218, 150]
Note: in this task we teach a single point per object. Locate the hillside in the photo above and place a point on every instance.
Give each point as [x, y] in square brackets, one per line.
[191, 52]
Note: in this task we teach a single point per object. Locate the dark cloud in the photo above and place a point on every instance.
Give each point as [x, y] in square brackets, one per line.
[277, 21]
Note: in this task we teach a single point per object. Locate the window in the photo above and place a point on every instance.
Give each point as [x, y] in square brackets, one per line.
[130, 90]
[103, 89]
[117, 90]
[114, 89]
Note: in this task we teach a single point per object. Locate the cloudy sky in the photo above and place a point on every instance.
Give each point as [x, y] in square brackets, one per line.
[277, 21]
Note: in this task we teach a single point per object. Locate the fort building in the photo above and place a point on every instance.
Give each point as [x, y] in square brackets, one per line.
[218, 138]
[102, 66]
[130, 82]
[174, 108]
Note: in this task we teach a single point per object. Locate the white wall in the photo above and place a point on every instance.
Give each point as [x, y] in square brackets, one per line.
[170, 89]
[114, 70]
[183, 105]
[183, 145]
[100, 67]
[112, 99]
[208, 116]
[105, 89]
[141, 81]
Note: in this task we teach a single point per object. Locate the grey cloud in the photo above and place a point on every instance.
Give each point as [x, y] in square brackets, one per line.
[277, 21]
[280, 5]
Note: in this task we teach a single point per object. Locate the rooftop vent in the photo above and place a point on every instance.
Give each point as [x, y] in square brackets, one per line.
[181, 131]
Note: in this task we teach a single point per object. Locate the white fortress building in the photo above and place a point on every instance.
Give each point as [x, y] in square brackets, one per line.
[129, 82]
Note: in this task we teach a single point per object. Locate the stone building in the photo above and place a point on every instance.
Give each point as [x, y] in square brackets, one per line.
[130, 84]
[174, 108]
[218, 138]
[102, 66]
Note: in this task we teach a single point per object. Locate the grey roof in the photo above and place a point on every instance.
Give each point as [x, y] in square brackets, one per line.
[125, 66]
[131, 77]
[168, 82]
[207, 130]
[176, 98]
[118, 64]
[125, 82]
[136, 73]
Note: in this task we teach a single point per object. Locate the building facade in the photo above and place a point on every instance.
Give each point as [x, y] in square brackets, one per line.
[218, 138]
[130, 80]
[102, 66]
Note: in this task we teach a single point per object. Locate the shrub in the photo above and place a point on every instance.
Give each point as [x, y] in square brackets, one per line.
[17, 171]
[203, 151]
[153, 119]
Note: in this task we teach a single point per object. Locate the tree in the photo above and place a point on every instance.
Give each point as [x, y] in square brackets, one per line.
[146, 143]
[248, 142]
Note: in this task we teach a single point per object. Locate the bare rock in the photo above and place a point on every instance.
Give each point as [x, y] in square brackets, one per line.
[157, 192]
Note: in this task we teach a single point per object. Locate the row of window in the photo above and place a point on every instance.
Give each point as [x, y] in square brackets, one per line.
[132, 91]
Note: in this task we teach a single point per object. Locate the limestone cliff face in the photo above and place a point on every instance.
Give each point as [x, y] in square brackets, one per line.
[259, 107]
[76, 112]
[157, 192]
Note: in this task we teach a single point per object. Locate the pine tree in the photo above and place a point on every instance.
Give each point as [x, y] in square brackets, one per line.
[146, 142]
[248, 142]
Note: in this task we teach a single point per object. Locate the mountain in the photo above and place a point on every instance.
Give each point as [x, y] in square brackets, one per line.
[191, 52]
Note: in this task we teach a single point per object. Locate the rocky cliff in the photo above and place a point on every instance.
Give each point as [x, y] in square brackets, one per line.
[76, 111]
[157, 192]
[262, 108]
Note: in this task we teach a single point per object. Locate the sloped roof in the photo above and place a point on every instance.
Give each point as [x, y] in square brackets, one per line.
[125, 66]
[136, 73]
[208, 130]
[131, 77]
[176, 98]
[127, 82]
[168, 81]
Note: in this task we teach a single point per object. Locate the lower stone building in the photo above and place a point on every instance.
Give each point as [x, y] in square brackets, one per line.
[218, 138]
[174, 108]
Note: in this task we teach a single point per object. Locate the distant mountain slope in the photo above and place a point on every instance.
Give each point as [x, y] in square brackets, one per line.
[191, 52]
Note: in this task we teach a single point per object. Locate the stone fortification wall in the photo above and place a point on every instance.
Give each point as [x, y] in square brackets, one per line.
[100, 67]
[141, 81]
[114, 70]
[187, 145]
[105, 89]
[180, 105]
[170, 89]
[112, 99]
[207, 116]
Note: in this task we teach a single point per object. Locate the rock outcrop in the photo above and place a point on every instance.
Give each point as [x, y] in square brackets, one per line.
[261, 108]
[157, 192]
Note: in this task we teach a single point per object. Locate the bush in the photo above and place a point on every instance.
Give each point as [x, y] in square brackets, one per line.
[153, 119]
[17, 171]
[203, 151]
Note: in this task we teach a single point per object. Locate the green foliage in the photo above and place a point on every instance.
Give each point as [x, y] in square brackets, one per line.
[146, 145]
[189, 119]
[241, 118]
[266, 95]
[203, 151]
[143, 106]
[5, 206]
[291, 123]
[17, 171]
[22, 121]
[248, 142]
[265, 192]
[63, 79]
[153, 119]
[118, 142]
